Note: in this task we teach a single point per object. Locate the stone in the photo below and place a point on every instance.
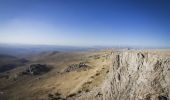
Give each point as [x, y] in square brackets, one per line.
[136, 75]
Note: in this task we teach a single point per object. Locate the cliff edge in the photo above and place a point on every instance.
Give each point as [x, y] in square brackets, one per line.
[137, 75]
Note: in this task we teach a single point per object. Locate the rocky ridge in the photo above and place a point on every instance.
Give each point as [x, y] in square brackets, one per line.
[137, 75]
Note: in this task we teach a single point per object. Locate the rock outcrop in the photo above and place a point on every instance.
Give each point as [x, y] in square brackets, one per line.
[36, 69]
[76, 67]
[136, 75]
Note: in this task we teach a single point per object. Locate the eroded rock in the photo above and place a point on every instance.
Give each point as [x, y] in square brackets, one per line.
[137, 76]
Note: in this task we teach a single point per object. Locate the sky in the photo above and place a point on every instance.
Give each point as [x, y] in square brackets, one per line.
[141, 23]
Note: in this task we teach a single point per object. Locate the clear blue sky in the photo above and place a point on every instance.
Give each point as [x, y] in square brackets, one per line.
[86, 22]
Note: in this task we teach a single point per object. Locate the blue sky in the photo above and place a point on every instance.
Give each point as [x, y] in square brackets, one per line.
[142, 23]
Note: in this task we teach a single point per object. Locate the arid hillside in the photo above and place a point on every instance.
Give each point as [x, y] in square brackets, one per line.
[51, 75]
[117, 74]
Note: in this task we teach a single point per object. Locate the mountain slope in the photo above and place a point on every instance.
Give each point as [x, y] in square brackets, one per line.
[8, 62]
[107, 75]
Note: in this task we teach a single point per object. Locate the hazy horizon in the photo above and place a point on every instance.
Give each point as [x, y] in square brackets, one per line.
[86, 23]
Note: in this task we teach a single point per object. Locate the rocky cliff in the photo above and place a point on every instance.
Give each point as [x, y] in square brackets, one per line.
[137, 75]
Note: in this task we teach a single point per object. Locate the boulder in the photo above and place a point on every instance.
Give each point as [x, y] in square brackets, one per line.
[36, 69]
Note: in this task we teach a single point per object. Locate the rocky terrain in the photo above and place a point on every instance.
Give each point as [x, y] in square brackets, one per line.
[73, 67]
[116, 74]
[138, 75]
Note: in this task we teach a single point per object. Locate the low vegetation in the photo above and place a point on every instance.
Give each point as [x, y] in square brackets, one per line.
[88, 76]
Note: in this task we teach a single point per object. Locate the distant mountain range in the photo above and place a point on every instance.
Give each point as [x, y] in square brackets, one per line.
[20, 49]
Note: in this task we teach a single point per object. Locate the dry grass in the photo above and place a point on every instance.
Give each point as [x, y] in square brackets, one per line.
[56, 81]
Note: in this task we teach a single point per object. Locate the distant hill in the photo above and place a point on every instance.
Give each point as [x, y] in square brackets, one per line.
[8, 62]
[20, 50]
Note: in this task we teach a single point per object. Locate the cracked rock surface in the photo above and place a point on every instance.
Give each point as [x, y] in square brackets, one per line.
[137, 75]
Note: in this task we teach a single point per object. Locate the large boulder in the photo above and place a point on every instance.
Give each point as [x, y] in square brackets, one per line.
[36, 69]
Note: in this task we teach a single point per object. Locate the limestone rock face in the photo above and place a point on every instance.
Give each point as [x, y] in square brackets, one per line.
[136, 75]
